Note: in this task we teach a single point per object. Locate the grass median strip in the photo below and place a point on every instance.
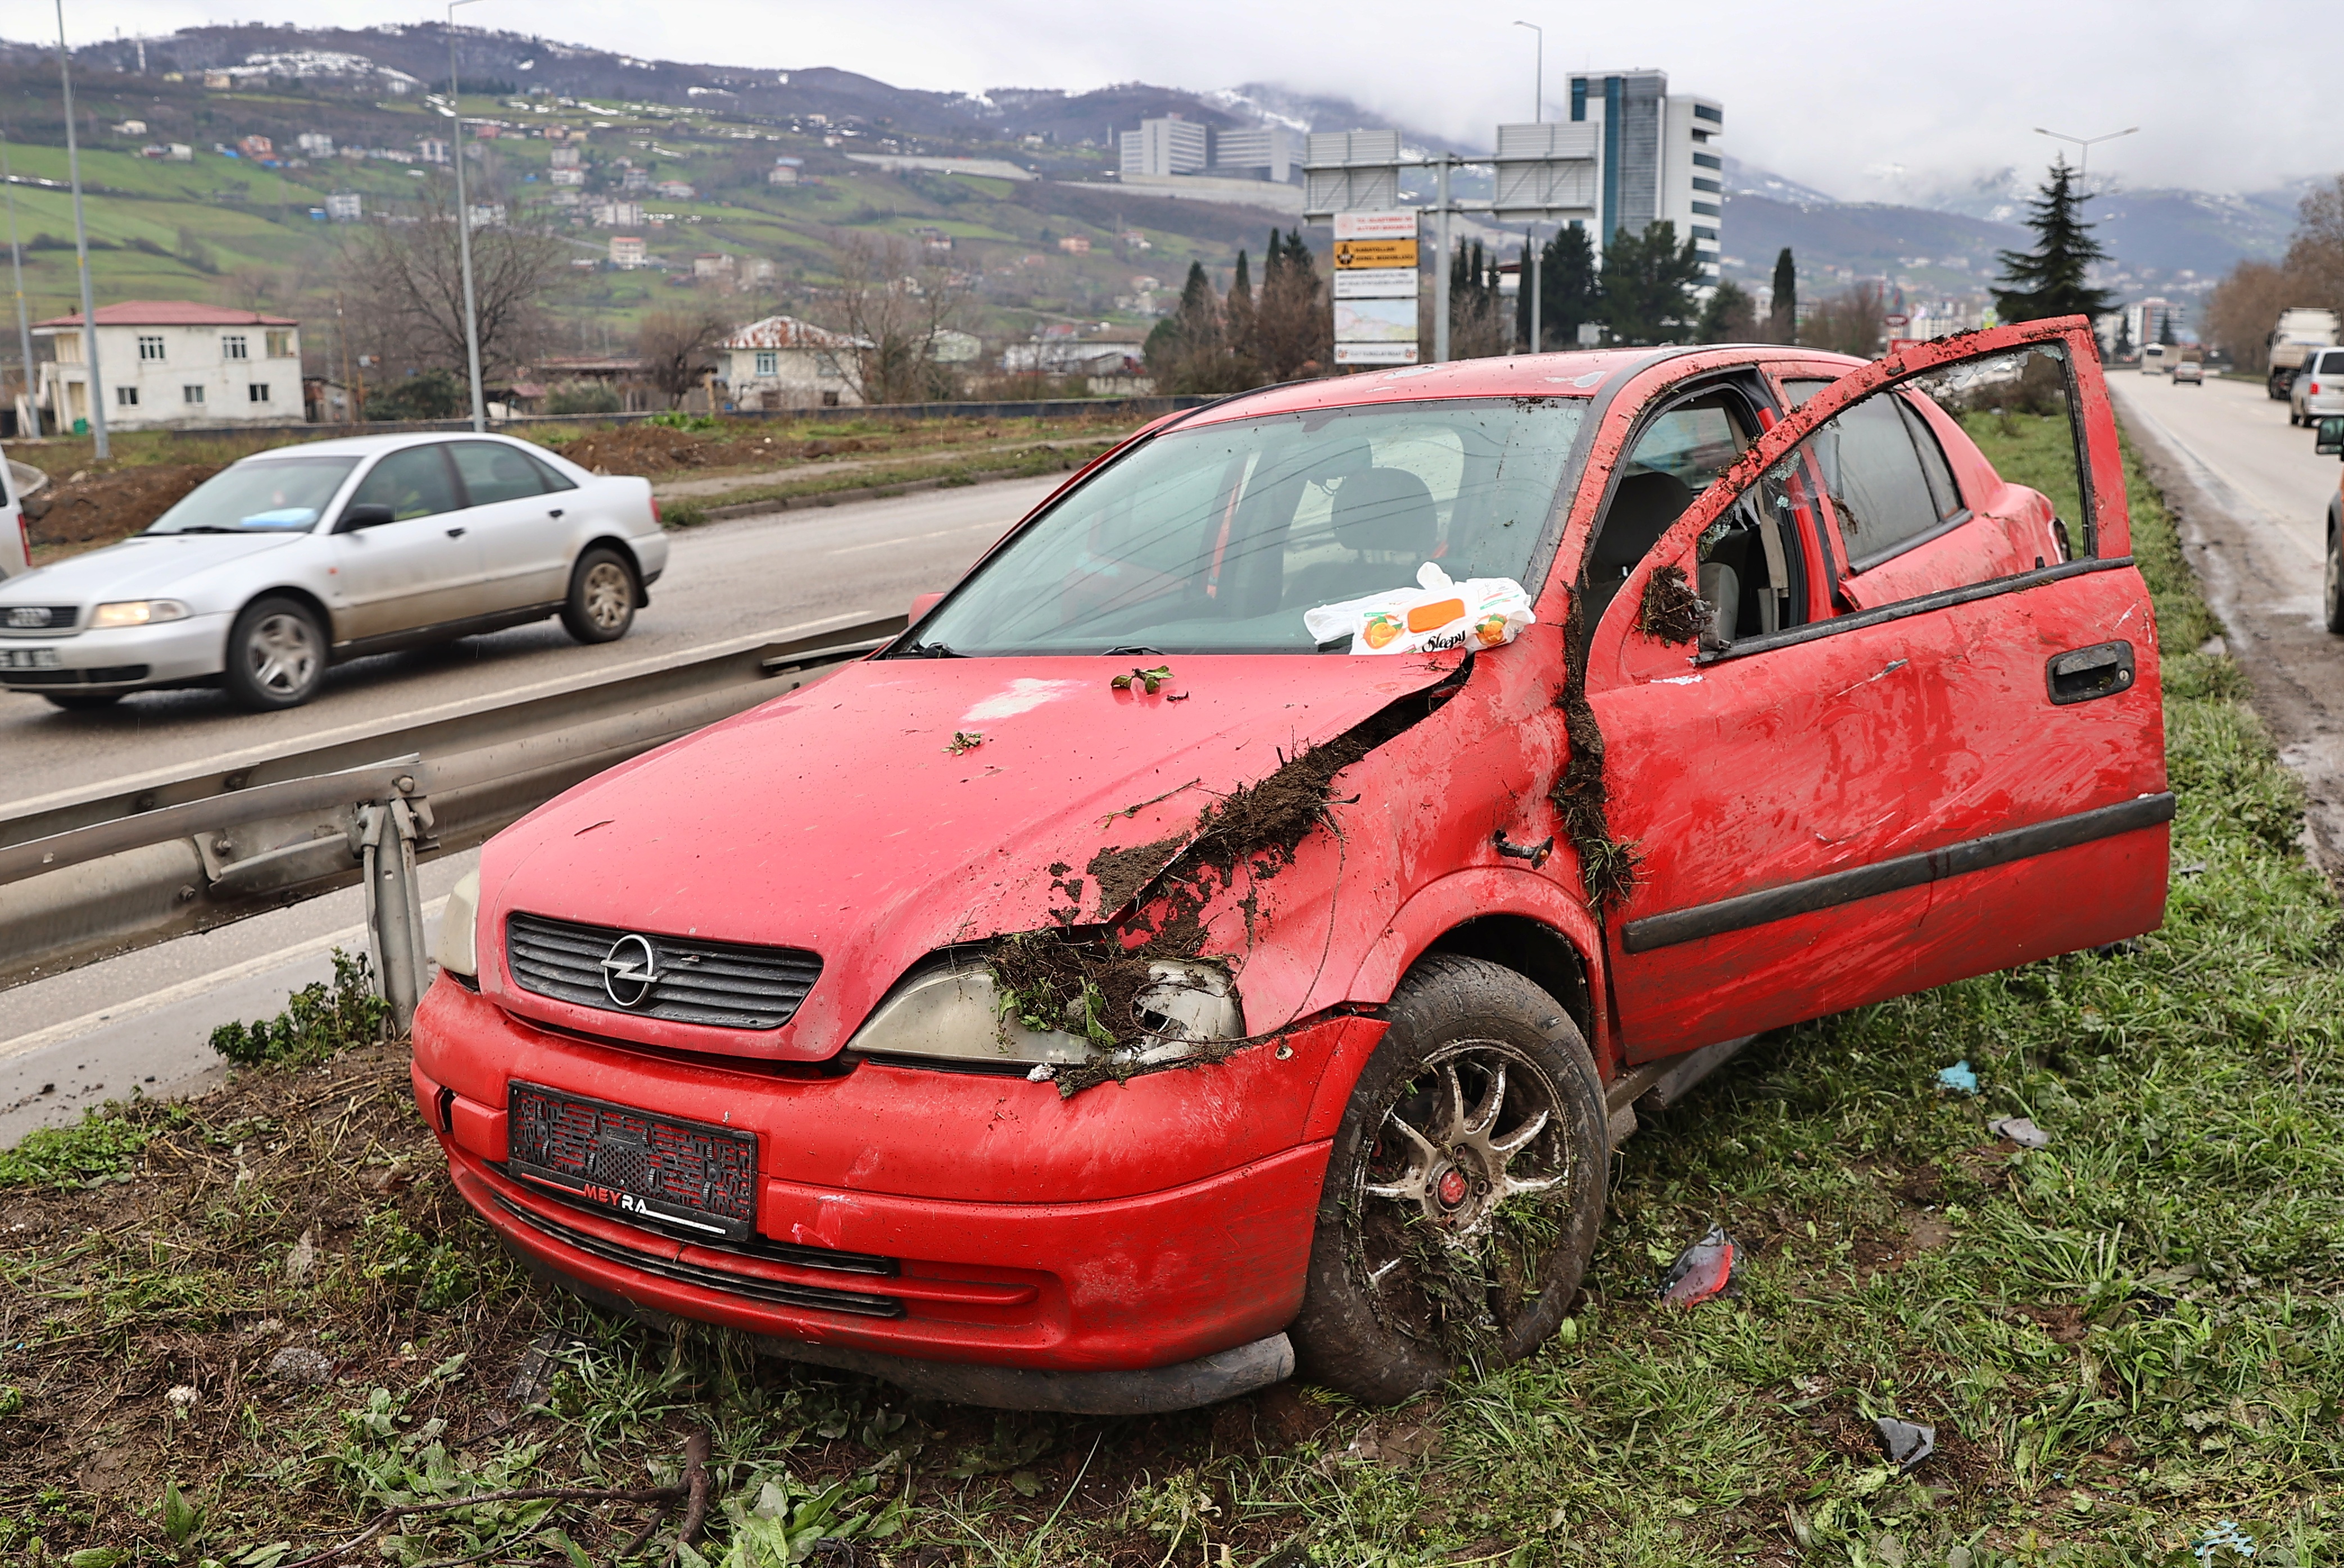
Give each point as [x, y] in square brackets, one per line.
[270, 1301]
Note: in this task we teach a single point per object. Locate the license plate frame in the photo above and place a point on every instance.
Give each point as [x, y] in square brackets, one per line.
[641, 1167]
[29, 658]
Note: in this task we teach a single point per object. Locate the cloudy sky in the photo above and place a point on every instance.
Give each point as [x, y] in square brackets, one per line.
[1864, 98]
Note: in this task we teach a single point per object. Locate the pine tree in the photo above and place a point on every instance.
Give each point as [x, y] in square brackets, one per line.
[1567, 285]
[2165, 333]
[2124, 338]
[1783, 315]
[2050, 280]
[1731, 316]
[1647, 283]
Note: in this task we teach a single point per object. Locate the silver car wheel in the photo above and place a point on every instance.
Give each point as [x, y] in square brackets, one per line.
[282, 653]
[610, 595]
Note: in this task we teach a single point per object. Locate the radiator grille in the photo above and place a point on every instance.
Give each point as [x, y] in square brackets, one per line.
[721, 984]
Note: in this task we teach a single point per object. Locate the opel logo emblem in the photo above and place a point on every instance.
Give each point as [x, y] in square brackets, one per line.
[629, 971]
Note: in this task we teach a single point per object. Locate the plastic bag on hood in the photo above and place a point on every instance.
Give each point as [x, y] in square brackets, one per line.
[1480, 612]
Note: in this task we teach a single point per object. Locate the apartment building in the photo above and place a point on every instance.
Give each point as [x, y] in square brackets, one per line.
[1657, 157]
[172, 362]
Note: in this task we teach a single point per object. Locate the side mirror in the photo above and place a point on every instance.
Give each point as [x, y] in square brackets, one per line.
[924, 602]
[370, 516]
[2330, 437]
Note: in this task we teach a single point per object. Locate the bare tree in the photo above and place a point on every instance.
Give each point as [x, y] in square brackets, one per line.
[674, 347]
[894, 304]
[404, 280]
[1848, 322]
[2242, 310]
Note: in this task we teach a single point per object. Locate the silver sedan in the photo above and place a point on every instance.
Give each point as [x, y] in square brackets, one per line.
[294, 559]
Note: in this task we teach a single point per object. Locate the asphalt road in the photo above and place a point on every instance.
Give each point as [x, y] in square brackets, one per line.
[2252, 497]
[724, 581]
[141, 1022]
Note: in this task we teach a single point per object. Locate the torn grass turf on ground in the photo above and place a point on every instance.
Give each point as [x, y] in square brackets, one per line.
[2121, 1339]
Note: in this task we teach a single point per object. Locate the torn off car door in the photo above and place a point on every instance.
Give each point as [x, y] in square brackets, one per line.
[1909, 791]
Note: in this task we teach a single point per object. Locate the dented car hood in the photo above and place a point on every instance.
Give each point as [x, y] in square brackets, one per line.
[907, 805]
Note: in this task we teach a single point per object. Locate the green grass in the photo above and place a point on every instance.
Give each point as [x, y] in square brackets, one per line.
[2122, 1339]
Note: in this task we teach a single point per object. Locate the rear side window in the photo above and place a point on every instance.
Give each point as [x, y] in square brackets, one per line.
[1872, 473]
[2332, 363]
[494, 472]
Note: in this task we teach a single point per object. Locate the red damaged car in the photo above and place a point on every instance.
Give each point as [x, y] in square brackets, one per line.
[1118, 992]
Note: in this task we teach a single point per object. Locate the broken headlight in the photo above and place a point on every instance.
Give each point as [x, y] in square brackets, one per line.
[952, 1009]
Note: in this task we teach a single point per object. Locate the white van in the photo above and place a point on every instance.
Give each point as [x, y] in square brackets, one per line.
[2153, 359]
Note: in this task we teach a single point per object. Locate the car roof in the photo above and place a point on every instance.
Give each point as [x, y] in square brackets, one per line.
[1578, 374]
[367, 446]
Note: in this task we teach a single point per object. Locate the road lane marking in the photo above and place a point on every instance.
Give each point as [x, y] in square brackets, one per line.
[910, 539]
[352, 937]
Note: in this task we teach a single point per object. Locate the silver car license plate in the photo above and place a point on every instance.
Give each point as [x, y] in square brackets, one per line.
[28, 658]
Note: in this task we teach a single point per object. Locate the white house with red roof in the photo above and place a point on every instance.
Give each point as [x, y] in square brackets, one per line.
[172, 362]
[782, 362]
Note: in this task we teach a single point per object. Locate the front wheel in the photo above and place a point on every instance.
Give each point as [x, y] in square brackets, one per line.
[1464, 1189]
[276, 656]
[2332, 589]
[602, 597]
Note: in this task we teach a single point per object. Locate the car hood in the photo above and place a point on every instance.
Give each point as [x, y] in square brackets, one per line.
[145, 566]
[903, 805]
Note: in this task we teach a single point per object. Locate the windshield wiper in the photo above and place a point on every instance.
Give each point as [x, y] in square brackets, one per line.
[1132, 647]
[932, 650]
[197, 528]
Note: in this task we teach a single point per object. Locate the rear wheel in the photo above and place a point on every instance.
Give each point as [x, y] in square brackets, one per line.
[275, 654]
[82, 701]
[1464, 1189]
[602, 597]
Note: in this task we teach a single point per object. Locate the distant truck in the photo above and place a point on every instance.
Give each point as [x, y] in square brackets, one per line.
[2299, 331]
[2153, 359]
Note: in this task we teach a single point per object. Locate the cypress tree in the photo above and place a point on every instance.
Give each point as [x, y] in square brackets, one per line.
[1782, 317]
[1567, 290]
[2050, 280]
[2165, 334]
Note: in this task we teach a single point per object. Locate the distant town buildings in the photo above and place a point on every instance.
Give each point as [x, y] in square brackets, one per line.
[172, 362]
[628, 252]
[315, 143]
[619, 215]
[1075, 245]
[432, 150]
[784, 172]
[1265, 152]
[345, 206]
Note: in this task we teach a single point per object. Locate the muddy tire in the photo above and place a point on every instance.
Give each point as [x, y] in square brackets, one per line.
[1464, 1190]
[277, 655]
[2332, 593]
[603, 594]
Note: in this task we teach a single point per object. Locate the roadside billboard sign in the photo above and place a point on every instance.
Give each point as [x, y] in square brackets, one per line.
[1375, 331]
[1376, 288]
[1375, 252]
[1377, 283]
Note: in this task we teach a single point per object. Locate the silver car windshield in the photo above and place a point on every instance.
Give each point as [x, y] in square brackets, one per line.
[269, 495]
[1216, 540]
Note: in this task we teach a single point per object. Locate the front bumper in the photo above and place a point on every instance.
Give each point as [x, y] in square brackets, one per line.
[125, 659]
[1019, 1285]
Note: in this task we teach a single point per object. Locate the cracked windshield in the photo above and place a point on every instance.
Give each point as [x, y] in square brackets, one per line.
[1219, 539]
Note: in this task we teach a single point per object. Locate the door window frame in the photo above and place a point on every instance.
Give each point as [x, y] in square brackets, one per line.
[2100, 504]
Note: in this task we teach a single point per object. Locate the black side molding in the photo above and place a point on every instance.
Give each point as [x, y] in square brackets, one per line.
[1748, 910]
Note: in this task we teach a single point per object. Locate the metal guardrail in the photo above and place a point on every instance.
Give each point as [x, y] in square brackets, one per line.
[116, 869]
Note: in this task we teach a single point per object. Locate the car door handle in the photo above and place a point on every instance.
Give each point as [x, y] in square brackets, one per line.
[455, 533]
[2081, 674]
[553, 512]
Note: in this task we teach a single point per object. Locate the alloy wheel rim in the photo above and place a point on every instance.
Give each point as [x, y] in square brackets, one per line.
[282, 653]
[1460, 1195]
[608, 594]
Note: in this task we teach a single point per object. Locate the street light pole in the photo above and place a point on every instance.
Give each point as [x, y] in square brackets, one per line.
[1538, 97]
[16, 276]
[81, 254]
[2085, 145]
[1440, 269]
[463, 222]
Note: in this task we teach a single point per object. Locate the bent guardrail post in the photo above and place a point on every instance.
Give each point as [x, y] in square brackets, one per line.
[385, 837]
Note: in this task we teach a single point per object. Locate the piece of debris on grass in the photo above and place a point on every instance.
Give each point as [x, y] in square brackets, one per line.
[1958, 1078]
[1702, 1271]
[1906, 1443]
[2020, 1130]
[1147, 680]
[302, 1261]
[965, 740]
[2225, 1542]
[298, 1363]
